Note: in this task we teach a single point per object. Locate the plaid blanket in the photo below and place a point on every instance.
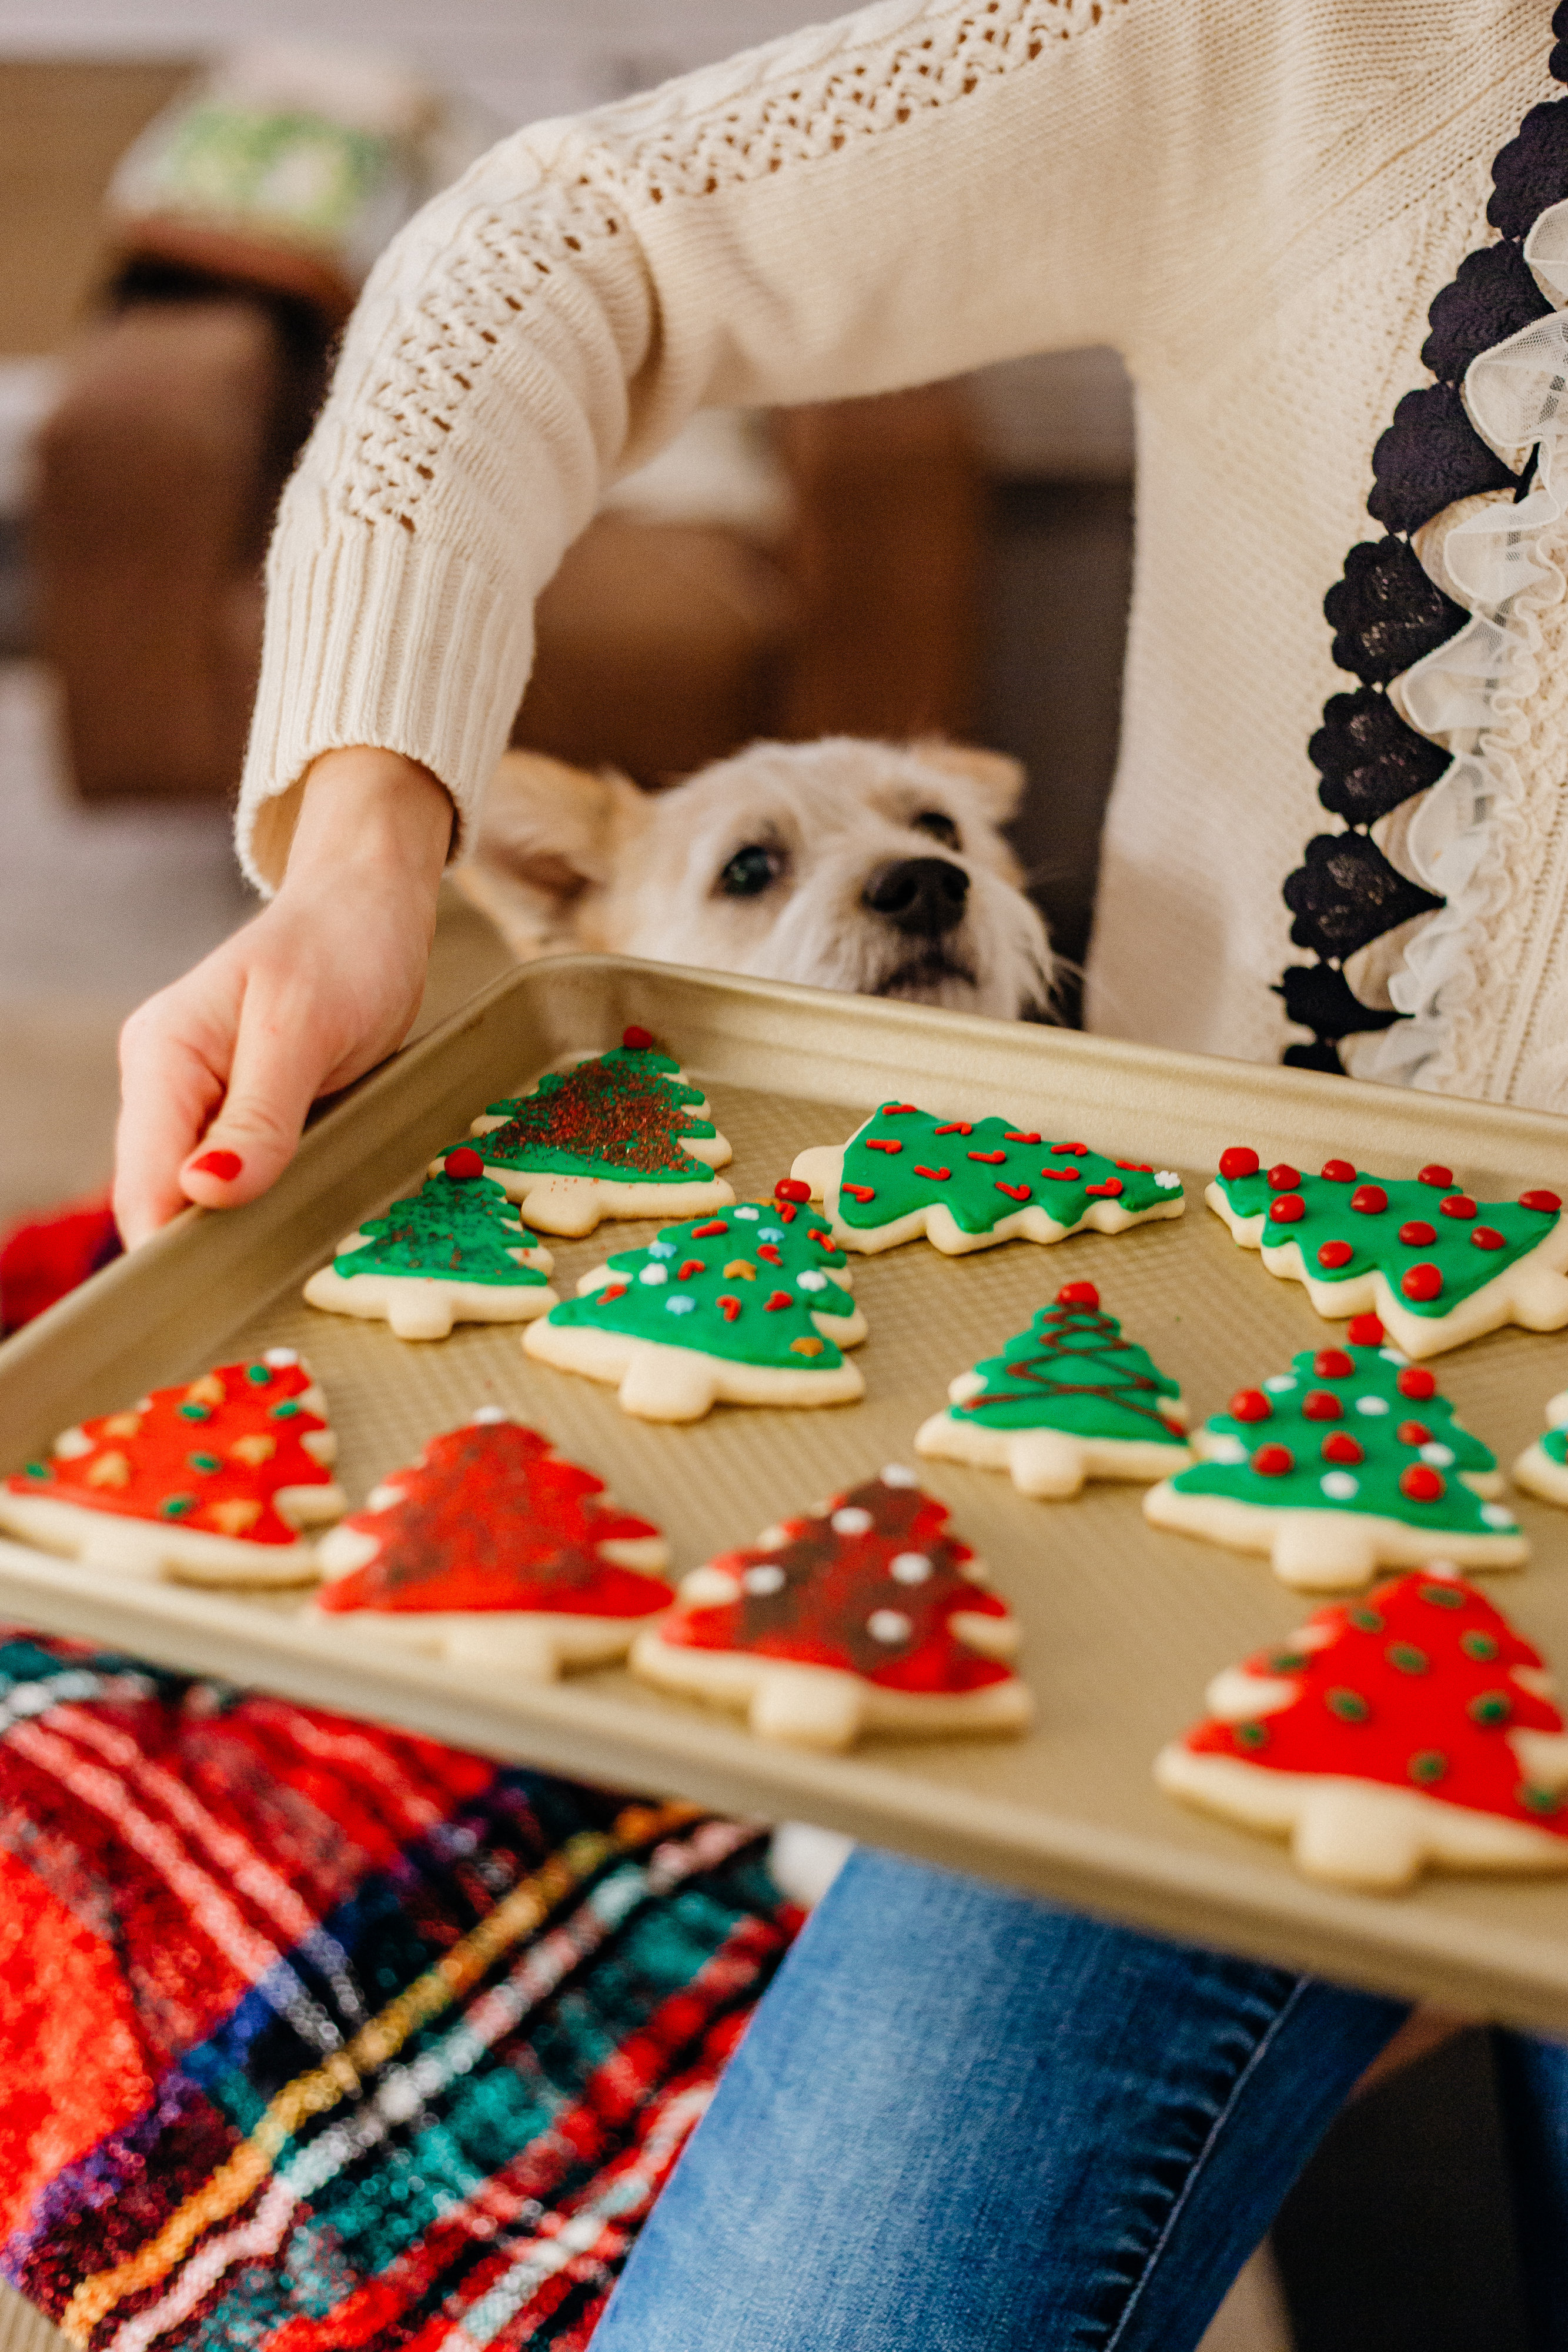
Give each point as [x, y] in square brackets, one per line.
[317, 2037]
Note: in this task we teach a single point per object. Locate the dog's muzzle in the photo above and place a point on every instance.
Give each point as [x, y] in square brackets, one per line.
[925, 896]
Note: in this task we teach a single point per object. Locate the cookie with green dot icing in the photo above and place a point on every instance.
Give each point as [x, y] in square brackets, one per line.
[750, 1307]
[1435, 1264]
[207, 1483]
[1349, 1462]
[1068, 1398]
[453, 1252]
[968, 1185]
[1542, 1467]
[1414, 1729]
[623, 1134]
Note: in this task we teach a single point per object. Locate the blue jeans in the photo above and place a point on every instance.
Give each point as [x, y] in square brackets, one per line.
[968, 2122]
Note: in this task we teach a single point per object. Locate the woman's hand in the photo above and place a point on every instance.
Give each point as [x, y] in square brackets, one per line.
[218, 1071]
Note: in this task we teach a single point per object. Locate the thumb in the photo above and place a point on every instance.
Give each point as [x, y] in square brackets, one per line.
[277, 1068]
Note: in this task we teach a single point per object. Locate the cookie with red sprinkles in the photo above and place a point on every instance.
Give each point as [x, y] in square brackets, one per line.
[209, 1481]
[495, 1549]
[1435, 1264]
[1413, 1730]
[866, 1614]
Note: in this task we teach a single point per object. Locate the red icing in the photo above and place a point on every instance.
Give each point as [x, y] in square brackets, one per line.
[636, 1040]
[1458, 1204]
[1420, 1676]
[776, 1300]
[491, 1518]
[1238, 1161]
[889, 1144]
[613, 1290]
[714, 1225]
[860, 1192]
[1250, 1404]
[1416, 1382]
[1273, 1461]
[1013, 1192]
[1421, 1282]
[990, 1159]
[1338, 1171]
[1322, 1404]
[690, 1266]
[1487, 1237]
[830, 1585]
[730, 1305]
[1340, 1447]
[1417, 1234]
[1414, 1432]
[1435, 1174]
[1369, 1200]
[1283, 1178]
[1333, 1364]
[1105, 1191]
[896, 1111]
[1334, 1254]
[1364, 1331]
[1288, 1209]
[1422, 1484]
[937, 1175]
[1012, 1138]
[1061, 1175]
[220, 1419]
[1078, 1293]
[1078, 1150]
[1550, 1201]
[954, 1126]
[791, 1188]
[767, 1252]
[826, 1240]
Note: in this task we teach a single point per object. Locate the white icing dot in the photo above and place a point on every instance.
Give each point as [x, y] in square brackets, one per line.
[489, 1412]
[1280, 1384]
[1339, 1485]
[653, 1274]
[910, 1567]
[746, 1211]
[764, 1578]
[851, 1520]
[661, 1249]
[1374, 1405]
[1393, 1356]
[769, 1233]
[895, 1474]
[888, 1625]
[810, 1280]
[1167, 1180]
[1439, 1456]
[1496, 1515]
[682, 1304]
[280, 1358]
[1225, 1449]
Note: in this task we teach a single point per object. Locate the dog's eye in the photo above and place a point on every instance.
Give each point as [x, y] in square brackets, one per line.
[935, 822]
[750, 870]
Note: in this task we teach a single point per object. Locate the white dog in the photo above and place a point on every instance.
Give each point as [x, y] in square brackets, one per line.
[865, 866]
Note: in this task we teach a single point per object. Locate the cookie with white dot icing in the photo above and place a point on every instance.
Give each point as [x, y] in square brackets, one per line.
[751, 1306]
[1542, 1467]
[865, 1615]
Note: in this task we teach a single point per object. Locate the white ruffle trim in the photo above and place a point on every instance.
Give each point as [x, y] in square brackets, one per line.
[1493, 560]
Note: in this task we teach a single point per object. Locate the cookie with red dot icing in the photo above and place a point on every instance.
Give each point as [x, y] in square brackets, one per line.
[493, 1549]
[1348, 1462]
[623, 1134]
[865, 1615]
[1068, 1398]
[1414, 1729]
[968, 1185]
[209, 1481]
[1542, 1467]
[454, 1251]
[1437, 1265]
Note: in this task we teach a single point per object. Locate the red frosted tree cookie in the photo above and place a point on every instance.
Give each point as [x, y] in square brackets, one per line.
[206, 1483]
[1412, 1729]
[493, 1549]
[867, 1615]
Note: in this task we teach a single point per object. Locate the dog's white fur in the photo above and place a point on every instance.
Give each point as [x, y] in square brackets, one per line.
[564, 858]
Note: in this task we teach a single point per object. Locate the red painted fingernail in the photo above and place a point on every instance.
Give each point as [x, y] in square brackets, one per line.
[224, 1165]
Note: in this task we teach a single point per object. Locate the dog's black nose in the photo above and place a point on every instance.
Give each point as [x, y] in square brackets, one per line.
[924, 895]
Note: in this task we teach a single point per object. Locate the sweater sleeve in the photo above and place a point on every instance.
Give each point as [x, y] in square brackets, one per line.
[903, 195]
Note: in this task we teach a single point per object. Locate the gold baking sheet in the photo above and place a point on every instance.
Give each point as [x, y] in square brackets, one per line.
[1122, 1626]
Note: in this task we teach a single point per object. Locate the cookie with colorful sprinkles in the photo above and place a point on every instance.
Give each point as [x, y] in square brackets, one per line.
[968, 1185]
[1348, 1462]
[864, 1615]
[209, 1481]
[495, 1550]
[1413, 1730]
[453, 1252]
[1068, 1398]
[1435, 1264]
[1543, 1468]
[622, 1134]
[752, 1307]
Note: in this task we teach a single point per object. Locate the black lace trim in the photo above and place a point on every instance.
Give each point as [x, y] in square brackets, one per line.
[1385, 613]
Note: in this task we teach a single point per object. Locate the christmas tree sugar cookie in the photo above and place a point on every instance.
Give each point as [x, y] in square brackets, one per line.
[1349, 1462]
[1542, 1467]
[206, 1483]
[495, 1550]
[1438, 1266]
[865, 1615]
[752, 1307]
[967, 1184]
[1068, 1398]
[1414, 1729]
[619, 1134]
[453, 1252]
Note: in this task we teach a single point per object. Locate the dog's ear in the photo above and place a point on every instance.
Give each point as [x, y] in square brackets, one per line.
[999, 779]
[556, 827]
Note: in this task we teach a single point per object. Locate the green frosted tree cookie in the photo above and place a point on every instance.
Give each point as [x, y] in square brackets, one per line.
[967, 1184]
[751, 1306]
[1542, 1467]
[453, 1252]
[1349, 1462]
[622, 1134]
[1437, 1266]
[1068, 1398]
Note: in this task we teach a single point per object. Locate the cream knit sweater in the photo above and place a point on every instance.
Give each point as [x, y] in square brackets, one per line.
[1253, 200]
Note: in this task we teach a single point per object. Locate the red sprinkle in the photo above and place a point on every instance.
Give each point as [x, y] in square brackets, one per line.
[1283, 1178]
[1548, 1202]
[1487, 1237]
[1274, 1461]
[1010, 1138]
[788, 1212]
[1335, 1254]
[1414, 1432]
[636, 1040]
[1322, 1404]
[730, 1304]
[1416, 1384]
[992, 1158]
[690, 1266]
[1434, 1174]
[612, 1290]
[1421, 1282]
[767, 1250]
[1238, 1161]
[937, 1175]
[1417, 1234]
[1340, 1447]
[826, 1240]
[715, 1225]
[895, 1110]
[1079, 1150]
[1014, 1191]
[1078, 1293]
[1369, 1200]
[858, 1191]
[954, 1126]
[1062, 1175]
[1339, 1171]
[1287, 1208]
[779, 1298]
[1422, 1484]
[1134, 1167]
[1333, 1364]
[1364, 1331]
[1458, 1204]
[882, 1143]
[791, 1188]
[1105, 1191]
[1250, 1404]
[463, 1164]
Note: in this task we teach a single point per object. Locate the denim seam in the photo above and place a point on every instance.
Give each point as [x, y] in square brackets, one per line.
[1201, 2158]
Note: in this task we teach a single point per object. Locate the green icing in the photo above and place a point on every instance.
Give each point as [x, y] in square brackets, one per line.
[621, 1115]
[675, 1289]
[955, 1162]
[1373, 1411]
[1072, 1369]
[1554, 1445]
[1373, 1237]
[447, 1231]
